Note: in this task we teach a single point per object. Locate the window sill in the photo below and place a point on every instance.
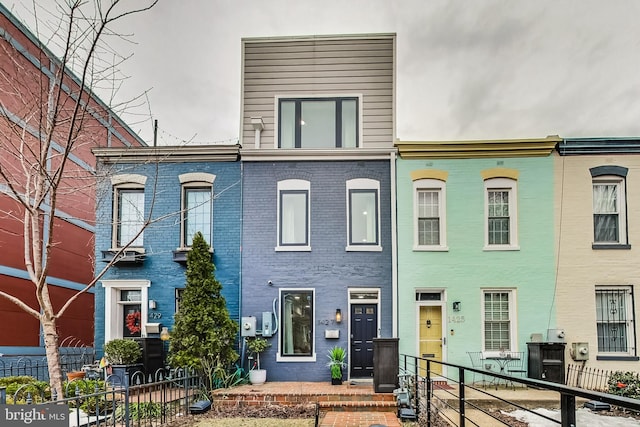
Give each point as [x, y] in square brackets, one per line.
[500, 248]
[280, 358]
[363, 248]
[293, 248]
[431, 248]
[597, 246]
[128, 256]
[180, 254]
[619, 358]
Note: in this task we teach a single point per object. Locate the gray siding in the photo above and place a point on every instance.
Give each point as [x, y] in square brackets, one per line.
[314, 66]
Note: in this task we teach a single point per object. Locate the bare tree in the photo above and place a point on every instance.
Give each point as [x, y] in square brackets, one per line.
[50, 116]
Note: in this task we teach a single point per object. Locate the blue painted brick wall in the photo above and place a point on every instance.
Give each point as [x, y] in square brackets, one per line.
[328, 268]
[163, 237]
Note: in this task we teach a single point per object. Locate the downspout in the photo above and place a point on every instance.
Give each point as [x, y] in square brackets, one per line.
[394, 250]
[258, 126]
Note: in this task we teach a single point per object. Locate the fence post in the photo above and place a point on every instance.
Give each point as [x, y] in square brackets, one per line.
[568, 410]
[416, 394]
[3, 395]
[461, 400]
[428, 380]
[127, 422]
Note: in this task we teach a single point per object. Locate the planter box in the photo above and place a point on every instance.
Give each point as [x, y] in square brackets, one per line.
[123, 374]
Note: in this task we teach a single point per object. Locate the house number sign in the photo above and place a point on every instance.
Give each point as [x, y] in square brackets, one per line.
[155, 315]
[456, 319]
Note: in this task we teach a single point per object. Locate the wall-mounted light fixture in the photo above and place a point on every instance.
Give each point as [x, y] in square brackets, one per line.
[338, 315]
[152, 304]
[164, 334]
[456, 306]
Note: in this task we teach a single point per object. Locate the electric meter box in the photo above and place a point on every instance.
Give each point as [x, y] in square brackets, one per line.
[580, 350]
[248, 326]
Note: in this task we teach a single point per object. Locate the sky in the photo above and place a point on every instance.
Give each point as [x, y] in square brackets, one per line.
[465, 69]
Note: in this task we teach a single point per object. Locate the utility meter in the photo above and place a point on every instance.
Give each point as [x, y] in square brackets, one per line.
[248, 326]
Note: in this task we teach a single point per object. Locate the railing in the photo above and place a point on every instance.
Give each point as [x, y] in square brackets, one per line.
[114, 403]
[456, 406]
[590, 378]
[71, 359]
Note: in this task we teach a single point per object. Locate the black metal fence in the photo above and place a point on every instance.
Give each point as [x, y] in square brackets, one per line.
[422, 395]
[115, 403]
[71, 359]
[590, 378]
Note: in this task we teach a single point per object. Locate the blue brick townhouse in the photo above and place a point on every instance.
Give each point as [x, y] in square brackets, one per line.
[182, 190]
[317, 132]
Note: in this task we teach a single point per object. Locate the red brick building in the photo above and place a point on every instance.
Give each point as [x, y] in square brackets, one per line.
[27, 70]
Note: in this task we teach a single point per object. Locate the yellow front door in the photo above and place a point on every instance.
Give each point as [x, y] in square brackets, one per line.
[431, 337]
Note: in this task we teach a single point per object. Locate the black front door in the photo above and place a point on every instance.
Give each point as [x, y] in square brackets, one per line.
[364, 328]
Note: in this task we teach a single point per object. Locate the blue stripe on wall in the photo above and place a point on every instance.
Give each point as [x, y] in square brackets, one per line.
[22, 274]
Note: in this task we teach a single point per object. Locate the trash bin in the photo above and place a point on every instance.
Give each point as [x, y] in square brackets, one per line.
[152, 355]
[386, 364]
[546, 361]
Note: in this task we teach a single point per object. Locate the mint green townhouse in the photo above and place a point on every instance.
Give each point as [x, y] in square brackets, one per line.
[475, 226]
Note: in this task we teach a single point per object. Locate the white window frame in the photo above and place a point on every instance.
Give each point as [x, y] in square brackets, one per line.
[279, 356]
[511, 187]
[629, 321]
[619, 183]
[363, 184]
[513, 326]
[327, 96]
[439, 187]
[125, 182]
[195, 180]
[113, 308]
[293, 185]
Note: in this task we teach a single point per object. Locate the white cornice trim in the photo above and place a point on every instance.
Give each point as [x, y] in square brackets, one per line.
[299, 154]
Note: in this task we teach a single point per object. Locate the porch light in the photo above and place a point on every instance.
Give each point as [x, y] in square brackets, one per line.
[338, 315]
[164, 334]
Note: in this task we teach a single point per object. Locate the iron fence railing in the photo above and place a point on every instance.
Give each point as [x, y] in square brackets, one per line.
[115, 403]
[589, 378]
[456, 406]
[71, 359]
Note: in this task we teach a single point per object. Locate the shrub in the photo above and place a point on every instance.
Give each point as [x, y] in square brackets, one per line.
[122, 352]
[625, 384]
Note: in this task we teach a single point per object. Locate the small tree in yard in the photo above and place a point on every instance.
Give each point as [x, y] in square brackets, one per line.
[203, 329]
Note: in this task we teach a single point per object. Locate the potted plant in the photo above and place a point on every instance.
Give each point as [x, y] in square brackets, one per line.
[337, 357]
[256, 346]
[124, 357]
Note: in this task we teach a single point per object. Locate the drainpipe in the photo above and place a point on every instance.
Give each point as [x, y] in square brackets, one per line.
[258, 126]
[394, 249]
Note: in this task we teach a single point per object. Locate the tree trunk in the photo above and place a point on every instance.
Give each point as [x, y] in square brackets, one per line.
[53, 355]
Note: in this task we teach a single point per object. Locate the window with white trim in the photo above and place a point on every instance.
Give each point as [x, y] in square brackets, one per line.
[429, 217]
[501, 214]
[363, 215]
[126, 308]
[129, 215]
[297, 335]
[498, 314]
[614, 320]
[293, 215]
[609, 211]
[331, 122]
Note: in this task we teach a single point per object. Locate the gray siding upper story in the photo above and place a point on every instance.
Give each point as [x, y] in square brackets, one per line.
[355, 65]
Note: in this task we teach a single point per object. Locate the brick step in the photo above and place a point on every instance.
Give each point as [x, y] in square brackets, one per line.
[357, 406]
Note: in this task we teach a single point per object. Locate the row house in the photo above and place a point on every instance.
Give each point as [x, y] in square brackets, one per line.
[597, 207]
[27, 66]
[476, 267]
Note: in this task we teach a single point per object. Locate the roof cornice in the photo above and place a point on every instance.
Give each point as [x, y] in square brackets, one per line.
[208, 153]
[301, 154]
[594, 146]
[534, 147]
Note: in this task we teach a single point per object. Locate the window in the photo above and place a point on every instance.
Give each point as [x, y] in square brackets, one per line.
[614, 320]
[130, 216]
[126, 308]
[499, 328]
[609, 224]
[197, 198]
[318, 122]
[296, 333]
[501, 214]
[293, 215]
[429, 215]
[363, 206]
